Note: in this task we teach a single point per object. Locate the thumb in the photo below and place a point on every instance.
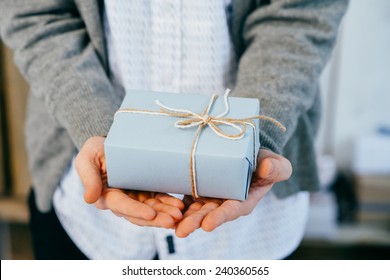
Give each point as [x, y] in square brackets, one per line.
[273, 167]
[88, 165]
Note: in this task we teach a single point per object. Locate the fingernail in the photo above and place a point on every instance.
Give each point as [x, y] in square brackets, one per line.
[271, 167]
[267, 171]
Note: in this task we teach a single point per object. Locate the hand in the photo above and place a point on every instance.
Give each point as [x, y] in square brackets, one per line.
[140, 208]
[209, 213]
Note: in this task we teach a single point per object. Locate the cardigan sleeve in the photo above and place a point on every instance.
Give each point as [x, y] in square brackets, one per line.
[286, 45]
[53, 50]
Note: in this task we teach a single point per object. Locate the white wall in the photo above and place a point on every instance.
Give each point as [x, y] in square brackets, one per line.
[356, 83]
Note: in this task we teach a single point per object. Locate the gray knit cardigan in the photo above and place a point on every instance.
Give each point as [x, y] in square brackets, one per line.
[59, 47]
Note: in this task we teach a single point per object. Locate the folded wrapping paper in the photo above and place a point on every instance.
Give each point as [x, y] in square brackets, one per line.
[147, 152]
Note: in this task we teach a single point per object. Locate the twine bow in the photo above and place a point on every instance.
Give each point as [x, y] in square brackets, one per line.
[189, 119]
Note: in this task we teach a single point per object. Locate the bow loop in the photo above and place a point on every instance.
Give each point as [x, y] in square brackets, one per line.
[192, 119]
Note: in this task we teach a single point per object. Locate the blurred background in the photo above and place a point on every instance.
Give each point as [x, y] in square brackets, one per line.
[349, 217]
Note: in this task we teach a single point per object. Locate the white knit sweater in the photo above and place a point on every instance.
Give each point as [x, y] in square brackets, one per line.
[177, 46]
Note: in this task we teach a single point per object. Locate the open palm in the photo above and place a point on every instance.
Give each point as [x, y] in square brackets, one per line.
[209, 213]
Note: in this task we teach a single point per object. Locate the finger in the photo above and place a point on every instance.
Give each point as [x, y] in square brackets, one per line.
[163, 197]
[120, 202]
[194, 221]
[273, 167]
[192, 208]
[228, 211]
[143, 196]
[233, 209]
[90, 176]
[197, 204]
[188, 200]
[158, 206]
[119, 215]
[170, 200]
[162, 220]
[89, 164]
[132, 194]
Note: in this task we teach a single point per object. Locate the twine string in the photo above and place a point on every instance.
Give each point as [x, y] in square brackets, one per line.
[189, 119]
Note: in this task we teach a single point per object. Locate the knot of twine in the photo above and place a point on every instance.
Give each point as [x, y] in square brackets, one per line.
[189, 119]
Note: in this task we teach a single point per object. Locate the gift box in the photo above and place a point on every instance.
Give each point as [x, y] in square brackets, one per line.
[171, 143]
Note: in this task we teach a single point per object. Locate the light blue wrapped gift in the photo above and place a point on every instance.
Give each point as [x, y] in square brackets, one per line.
[184, 144]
